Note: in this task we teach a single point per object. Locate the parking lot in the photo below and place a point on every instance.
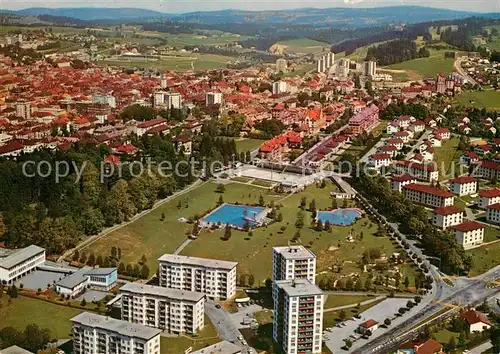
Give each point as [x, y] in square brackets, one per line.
[244, 318]
[334, 339]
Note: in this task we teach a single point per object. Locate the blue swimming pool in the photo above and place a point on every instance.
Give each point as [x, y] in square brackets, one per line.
[236, 215]
[340, 217]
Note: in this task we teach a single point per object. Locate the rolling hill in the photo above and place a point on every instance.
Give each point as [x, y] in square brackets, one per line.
[353, 17]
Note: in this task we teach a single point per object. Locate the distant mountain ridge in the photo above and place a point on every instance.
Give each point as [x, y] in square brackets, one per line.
[339, 15]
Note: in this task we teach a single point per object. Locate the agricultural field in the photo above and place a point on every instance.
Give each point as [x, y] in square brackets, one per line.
[423, 67]
[23, 311]
[445, 155]
[304, 45]
[480, 99]
[179, 63]
[179, 40]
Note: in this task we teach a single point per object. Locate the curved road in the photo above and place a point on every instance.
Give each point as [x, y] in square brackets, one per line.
[458, 67]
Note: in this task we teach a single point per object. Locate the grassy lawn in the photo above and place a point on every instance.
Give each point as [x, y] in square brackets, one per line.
[264, 316]
[445, 155]
[305, 45]
[179, 63]
[152, 237]
[262, 183]
[335, 301]
[480, 99]
[491, 234]
[304, 69]
[431, 66]
[241, 179]
[175, 345]
[484, 258]
[443, 336]
[244, 144]
[330, 319]
[24, 311]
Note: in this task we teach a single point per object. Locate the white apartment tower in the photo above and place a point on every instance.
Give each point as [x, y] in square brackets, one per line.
[281, 65]
[175, 311]
[330, 60]
[321, 65]
[216, 279]
[280, 87]
[298, 316]
[23, 110]
[369, 68]
[213, 98]
[96, 334]
[167, 100]
[293, 262]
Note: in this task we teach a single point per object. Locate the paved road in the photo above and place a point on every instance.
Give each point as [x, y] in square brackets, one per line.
[109, 230]
[417, 143]
[481, 348]
[224, 325]
[461, 71]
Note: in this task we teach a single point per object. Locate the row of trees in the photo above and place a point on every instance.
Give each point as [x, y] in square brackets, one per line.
[33, 338]
[413, 221]
[396, 51]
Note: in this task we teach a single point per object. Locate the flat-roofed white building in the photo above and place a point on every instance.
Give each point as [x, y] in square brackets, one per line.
[17, 263]
[463, 185]
[96, 334]
[298, 316]
[427, 195]
[447, 216]
[293, 262]
[469, 234]
[176, 311]
[215, 278]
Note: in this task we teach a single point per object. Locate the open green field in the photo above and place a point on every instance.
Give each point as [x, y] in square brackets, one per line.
[24, 311]
[152, 237]
[305, 45]
[445, 155]
[180, 63]
[4, 29]
[484, 258]
[480, 99]
[175, 345]
[431, 66]
[179, 40]
[304, 69]
[335, 301]
[244, 144]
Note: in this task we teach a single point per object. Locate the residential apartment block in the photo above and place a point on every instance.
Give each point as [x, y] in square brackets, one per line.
[469, 234]
[447, 216]
[489, 197]
[427, 195]
[493, 214]
[423, 172]
[96, 334]
[216, 279]
[15, 264]
[298, 316]
[463, 185]
[489, 170]
[176, 311]
[398, 182]
[365, 120]
[293, 262]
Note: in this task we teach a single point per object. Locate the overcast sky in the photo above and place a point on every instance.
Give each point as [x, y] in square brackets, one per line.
[179, 6]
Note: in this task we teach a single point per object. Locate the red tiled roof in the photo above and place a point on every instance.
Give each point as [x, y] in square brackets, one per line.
[449, 210]
[429, 190]
[490, 193]
[469, 226]
[494, 206]
[380, 157]
[151, 123]
[417, 166]
[430, 346]
[368, 324]
[11, 146]
[473, 317]
[465, 179]
[403, 178]
[490, 164]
